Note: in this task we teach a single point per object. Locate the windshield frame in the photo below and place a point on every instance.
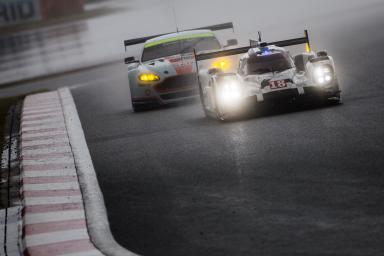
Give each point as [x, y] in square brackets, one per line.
[270, 66]
[180, 42]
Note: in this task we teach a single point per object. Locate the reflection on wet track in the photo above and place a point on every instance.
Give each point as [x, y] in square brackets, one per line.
[45, 48]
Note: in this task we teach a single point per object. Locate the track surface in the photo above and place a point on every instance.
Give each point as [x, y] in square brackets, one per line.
[302, 182]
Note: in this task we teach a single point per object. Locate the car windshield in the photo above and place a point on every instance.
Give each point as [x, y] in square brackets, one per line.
[260, 64]
[180, 46]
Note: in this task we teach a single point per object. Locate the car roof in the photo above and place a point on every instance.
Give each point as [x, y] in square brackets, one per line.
[272, 48]
[179, 36]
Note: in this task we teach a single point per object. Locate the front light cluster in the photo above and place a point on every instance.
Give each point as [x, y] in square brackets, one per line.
[222, 64]
[323, 75]
[229, 92]
[148, 77]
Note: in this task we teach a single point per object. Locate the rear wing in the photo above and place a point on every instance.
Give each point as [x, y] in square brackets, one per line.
[141, 40]
[242, 50]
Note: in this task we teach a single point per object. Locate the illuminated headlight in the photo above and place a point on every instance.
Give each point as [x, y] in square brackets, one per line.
[229, 92]
[222, 64]
[323, 75]
[148, 77]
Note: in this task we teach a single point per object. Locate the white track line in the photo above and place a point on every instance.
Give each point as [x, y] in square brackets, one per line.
[35, 218]
[31, 201]
[51, 186]
[97, 220]
[56, 237]
[56, 173]
[53, 148]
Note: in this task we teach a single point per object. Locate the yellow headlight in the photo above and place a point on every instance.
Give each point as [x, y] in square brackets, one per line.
[221, 64]
[148, 77]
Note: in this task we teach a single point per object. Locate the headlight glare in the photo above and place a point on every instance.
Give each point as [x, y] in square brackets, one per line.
[323, 75]
[222, 64]
[229, 92]
[148, 77]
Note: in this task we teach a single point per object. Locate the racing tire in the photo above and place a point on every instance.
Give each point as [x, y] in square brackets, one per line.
[206, 112]
[335, 99]
[138, 108]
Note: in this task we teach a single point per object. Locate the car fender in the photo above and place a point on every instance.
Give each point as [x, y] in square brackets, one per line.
[138, 91]
[310, 67]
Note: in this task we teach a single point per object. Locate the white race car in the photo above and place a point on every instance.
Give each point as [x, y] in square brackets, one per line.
[266, 73]
[166, 71]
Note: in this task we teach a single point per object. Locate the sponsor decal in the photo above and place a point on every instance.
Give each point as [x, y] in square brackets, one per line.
[183, 64]
[16, 11]
[60, 8]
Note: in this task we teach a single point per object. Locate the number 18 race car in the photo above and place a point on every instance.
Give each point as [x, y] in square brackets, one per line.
[166, 71]
[266, 73]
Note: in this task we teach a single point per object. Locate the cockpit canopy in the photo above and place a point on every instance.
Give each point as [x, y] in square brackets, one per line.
[261, 63]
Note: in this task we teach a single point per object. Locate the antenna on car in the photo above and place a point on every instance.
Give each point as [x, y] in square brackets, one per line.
[254, 43]
[174, 15]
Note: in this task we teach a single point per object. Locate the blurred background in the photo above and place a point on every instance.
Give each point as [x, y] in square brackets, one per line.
[45, 37]
[297, 183]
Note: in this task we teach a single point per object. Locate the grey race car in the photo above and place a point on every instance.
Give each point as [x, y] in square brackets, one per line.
[166, 70]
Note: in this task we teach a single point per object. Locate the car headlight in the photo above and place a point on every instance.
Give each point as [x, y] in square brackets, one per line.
[148, 77]
[323, 75]
[229, 92]
[221, 64]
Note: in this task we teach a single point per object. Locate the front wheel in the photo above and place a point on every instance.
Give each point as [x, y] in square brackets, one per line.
[136, 108]
[335, 99]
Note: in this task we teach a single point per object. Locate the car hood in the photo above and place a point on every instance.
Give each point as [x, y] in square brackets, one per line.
[271, 76]
[173, 65]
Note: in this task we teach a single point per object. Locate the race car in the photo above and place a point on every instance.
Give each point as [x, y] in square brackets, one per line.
[266, 73]
[166, 71]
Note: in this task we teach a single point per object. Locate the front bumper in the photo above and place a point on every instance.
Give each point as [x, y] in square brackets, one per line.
[171, 89]
[296, 93]
[281, 95]
[322, 93]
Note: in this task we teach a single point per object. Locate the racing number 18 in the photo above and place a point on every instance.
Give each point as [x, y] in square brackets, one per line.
[277, 84]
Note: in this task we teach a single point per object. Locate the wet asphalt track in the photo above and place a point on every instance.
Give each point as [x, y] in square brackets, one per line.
[300, 182]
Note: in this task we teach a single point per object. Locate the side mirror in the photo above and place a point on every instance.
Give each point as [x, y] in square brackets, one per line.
[322, 54]
[231, 42]
[299, 63]
[130, 60]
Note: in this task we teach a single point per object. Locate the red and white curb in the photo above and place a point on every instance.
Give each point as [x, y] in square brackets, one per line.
[64, 211]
